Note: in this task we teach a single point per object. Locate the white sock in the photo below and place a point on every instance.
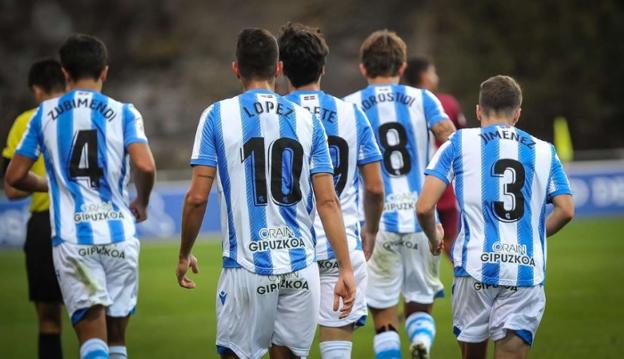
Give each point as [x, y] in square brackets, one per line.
[94, 348]
[336, 349]
[118, 352]
[420, 328]
[387, 345]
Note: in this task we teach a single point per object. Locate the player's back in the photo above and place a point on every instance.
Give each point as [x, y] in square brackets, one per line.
[84, 135]
[503, 180]
[401, 117]
[265, 149]
[351, 144]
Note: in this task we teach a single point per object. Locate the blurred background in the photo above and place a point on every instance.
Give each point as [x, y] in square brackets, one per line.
[171, 58]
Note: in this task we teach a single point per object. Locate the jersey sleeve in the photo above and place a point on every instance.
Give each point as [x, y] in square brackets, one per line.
[134, 131]
[558, 183]
[441, 166]
[433, 110]
[320, 161]
[368, 151]
[29, 145]
[204, 148]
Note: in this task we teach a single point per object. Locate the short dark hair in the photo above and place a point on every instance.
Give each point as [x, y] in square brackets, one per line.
[500, 94]
[48, 75]
[83, 56]
[303, 50]
[382, 54]
[256, 54]
[416, 66]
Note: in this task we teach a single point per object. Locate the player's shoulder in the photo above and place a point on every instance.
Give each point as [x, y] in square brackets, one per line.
[355, 97]
[535, 142]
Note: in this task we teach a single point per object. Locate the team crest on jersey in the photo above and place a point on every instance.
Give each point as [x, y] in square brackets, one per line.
[95, 212]
[276, 238]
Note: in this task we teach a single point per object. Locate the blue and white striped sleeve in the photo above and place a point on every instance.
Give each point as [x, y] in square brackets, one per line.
[134, 131]
[434, 112]
[320, 161]
[441, 166]
[29, 146]
[368, 151]
[204, 148]
[558, 184]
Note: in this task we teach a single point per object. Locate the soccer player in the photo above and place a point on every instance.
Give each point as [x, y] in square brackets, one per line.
[503, 177]
[401, 117]
[352, 147]
[88, 141]
[271, 163]
[421, 73]
[46, 81]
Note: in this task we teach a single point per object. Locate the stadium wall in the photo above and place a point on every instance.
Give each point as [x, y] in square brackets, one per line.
[598, 188]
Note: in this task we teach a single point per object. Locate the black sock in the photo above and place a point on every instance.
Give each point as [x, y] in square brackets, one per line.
[50, 346]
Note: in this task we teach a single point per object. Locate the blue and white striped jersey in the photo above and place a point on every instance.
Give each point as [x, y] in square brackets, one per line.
[351, 144]
[401, 117]
[503, 178]
[84, 136]
[265, 149]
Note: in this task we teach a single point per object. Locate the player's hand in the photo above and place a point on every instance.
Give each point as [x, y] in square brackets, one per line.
[437, 245]
[183, 266]
[368, 242]
[345, 289]
[139, 210]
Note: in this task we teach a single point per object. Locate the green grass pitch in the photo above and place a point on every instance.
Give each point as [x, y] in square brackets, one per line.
[583, 318]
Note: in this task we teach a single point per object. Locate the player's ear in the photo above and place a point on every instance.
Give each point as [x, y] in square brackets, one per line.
[517, 115]
[38, 92]
[402, 69]
[279, 68]
[104, 74]
[235, 70]
[68, 78]
[478, 112]
[363, 70]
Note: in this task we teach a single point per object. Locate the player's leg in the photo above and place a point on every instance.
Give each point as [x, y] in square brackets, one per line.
[472, 304]
[246, 311]
[335, 334]
[82, 280]
[385, 277]
[511, 347]
[121, 264]
[516, 315]
[43, 286]
[297, 313]
[421, 285]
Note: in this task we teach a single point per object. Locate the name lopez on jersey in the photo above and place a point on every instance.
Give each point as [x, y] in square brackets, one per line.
[273, 238]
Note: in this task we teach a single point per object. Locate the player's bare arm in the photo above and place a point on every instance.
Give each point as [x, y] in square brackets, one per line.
[562, 213]
[144, 177]
[373, 205]
[18, 175]
[11, 192]
[328, 208]
[425, 210]
[195, 204]
[443, 129]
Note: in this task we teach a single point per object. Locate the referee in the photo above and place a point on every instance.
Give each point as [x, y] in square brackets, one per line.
[46, 81]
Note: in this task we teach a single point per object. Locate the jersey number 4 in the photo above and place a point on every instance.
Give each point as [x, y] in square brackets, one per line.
[283, 152]
[85, 146]
[512, 189]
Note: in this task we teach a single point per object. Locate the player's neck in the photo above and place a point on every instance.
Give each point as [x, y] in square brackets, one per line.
[384, 80]
[259, 85]
[314, 86]
[491, 121]
[86, 84]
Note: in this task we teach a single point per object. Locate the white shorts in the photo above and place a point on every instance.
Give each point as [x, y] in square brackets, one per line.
[106, 275]
[482, 311]
[255, 311]
[329, 272]
[402, 263]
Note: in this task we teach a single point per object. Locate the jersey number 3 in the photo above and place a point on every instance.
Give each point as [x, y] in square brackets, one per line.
[512, 189]
[86, 146]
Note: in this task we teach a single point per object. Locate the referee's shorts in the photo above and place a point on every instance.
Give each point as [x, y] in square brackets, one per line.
[42, 283]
